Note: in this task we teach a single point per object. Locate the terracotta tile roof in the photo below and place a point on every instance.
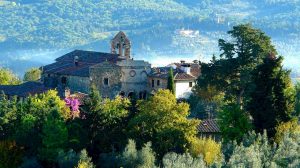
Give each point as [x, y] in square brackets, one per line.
[208, 126]
[24, 90]
[80, 96]
[195, 68]
[184, 76]
[160, 72]
[163, 73]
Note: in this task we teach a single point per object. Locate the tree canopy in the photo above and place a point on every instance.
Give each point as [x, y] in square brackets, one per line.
[7, 77]
[164, 122]
[32, 74]
[272, 99]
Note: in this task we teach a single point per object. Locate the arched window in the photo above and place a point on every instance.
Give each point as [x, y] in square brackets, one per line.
[143, 95]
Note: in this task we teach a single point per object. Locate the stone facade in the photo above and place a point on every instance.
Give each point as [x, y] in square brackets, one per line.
[79, 84]
[134, 77]
[155, 83]
[107, 78]
[114, 73]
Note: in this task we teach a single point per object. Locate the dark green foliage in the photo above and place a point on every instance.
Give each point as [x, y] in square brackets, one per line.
[10, 154]
[272, 100]
[78, 134]
[51, 145]
[171, 84]
[232, 72]
[297, 99]
[30, 163]
[67, 159]
[234, 123]
[8, 116]
[105, 120]
[205, 102]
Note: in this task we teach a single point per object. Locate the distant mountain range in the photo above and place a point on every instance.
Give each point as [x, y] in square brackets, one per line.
[36, 31]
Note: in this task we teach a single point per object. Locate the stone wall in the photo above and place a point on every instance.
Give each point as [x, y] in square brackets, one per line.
[112, 72]
[163, 84]
[134, 77]
[79, 84]
[50, 80]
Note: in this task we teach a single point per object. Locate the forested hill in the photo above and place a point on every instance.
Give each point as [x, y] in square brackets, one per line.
[30, 27]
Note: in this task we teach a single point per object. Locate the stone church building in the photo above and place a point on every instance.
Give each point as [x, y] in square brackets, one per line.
[115, 73]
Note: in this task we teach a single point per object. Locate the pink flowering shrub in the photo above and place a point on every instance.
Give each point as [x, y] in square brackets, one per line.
[73, 104]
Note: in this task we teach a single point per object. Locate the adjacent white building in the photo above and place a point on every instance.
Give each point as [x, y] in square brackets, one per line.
[185, 76]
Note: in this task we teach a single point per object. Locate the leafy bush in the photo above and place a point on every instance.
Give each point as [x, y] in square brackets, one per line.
[84, 160]
[234, 122]
[208, 148]
[144, 158]
[288, 127]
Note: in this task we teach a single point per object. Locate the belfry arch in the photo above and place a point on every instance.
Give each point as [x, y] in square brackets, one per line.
[121, 45]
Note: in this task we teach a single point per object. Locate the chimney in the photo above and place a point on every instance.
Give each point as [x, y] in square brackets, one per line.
[195, 61]
[67, 93]
[76, 60]
[186, 68]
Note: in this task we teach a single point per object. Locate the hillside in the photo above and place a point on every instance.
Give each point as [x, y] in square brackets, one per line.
[30, 27]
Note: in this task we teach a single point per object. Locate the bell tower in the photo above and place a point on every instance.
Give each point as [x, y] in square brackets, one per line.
[121, 45]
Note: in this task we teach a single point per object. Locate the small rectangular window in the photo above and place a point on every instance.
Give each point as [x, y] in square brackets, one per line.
[191, 84]
[105, 81]
[152, 83]
[158, 82]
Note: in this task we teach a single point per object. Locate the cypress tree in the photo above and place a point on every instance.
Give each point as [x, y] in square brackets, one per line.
[171, 85]
[272, 99]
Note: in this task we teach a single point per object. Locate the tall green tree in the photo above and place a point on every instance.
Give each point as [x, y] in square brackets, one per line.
[297, 99]
[54, 137]
[32, 117]
[231, 73]
[163, 121]
[7, 77]
[272, 100]
[234, 123]
[171, 84]
[32, 74]
[105, 120]
[8, 116]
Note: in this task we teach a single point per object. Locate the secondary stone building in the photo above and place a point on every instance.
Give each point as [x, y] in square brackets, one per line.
[113, 74]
